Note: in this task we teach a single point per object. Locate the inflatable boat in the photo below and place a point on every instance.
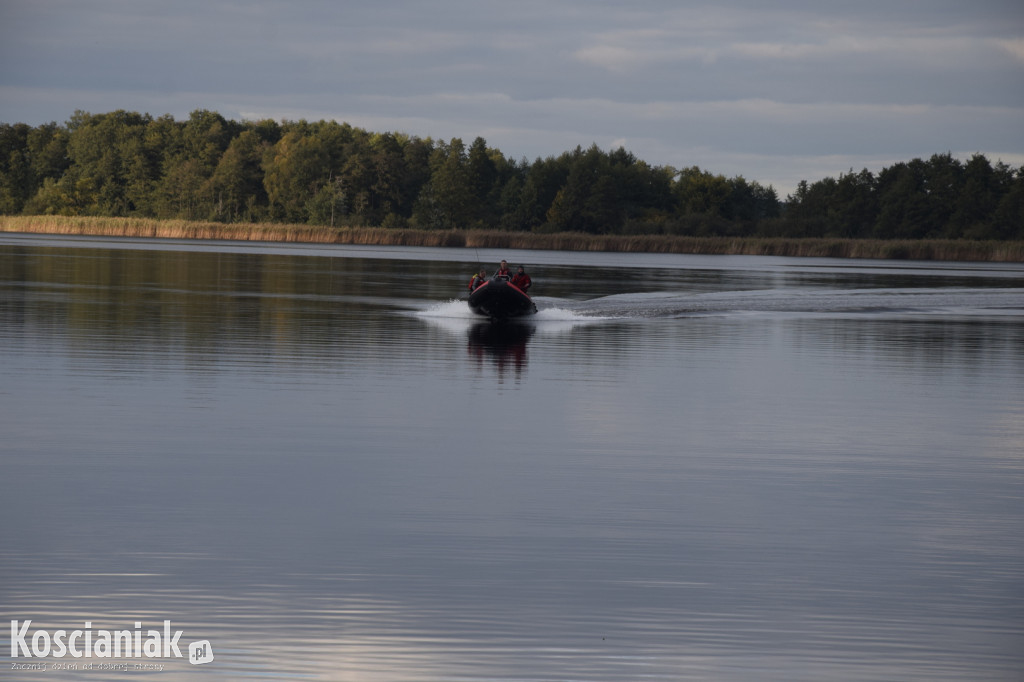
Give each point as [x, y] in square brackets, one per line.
[499, 299]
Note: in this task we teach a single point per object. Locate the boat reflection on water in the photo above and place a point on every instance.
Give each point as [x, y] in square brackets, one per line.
[503, 341]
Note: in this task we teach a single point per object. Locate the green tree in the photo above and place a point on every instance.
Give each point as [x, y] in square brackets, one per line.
[54, 198]
[976, 199]
[603, 190]
[1008, 217]
[540, 185]
[702, 201]
[186, 188]
[853, 207]
[101, 149]
[237, 181]
[16, 176]
[943, 181]
[48, 151]
[446, 201]
[483, 180]
[904, 209]
[327, 206]
[295, 169]
[699, 192]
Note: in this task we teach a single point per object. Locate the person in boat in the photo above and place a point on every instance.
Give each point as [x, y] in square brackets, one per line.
[503, 270]
[521, 279]
[478, 280]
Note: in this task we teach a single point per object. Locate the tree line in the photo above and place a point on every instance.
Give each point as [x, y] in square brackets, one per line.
[328, 173]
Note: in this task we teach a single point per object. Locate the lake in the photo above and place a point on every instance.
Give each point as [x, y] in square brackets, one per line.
[316, 460]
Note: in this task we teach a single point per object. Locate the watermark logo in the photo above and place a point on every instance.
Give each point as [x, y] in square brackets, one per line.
[101, 643]
[200, 652]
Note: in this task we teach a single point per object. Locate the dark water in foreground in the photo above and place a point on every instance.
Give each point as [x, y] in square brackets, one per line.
[714, 468]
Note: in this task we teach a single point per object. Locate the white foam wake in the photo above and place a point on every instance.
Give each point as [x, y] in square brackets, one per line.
[564, 315]
[454, 309]
[455, 316]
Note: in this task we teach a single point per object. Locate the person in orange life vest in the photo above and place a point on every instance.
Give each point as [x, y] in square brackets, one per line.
[521, 279]
[477, 280]
[502, 270]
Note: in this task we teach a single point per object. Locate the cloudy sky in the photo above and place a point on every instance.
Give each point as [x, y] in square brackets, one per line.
[773, 91]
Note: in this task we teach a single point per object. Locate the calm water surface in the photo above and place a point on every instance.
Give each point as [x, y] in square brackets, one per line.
[708, 468]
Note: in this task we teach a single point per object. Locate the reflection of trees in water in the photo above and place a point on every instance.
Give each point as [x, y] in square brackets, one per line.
[209, 302]
[503, 342]
[212, 306]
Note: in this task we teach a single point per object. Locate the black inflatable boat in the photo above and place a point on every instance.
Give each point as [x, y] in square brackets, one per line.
[499, 299]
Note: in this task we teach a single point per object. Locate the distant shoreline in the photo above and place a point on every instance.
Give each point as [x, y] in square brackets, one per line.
[909, 249]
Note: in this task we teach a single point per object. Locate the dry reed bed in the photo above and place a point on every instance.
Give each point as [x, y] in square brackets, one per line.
[926, 249]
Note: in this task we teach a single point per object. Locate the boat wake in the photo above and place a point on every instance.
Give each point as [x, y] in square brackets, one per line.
[557, 315]
[551, 317]
[817, 302]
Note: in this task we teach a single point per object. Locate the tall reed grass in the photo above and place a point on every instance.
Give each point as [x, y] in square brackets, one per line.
[925, 249]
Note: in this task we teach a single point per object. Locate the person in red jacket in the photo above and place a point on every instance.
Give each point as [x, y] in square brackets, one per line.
[502, 270]
[521, 279]
[478, 280]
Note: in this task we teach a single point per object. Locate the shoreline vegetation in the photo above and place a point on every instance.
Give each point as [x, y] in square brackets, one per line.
[264, 179]
[902, 249]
